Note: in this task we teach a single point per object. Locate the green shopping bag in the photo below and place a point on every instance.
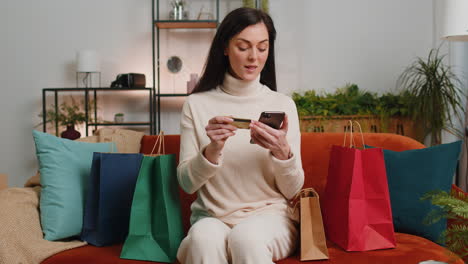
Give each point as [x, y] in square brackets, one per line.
[155, 230]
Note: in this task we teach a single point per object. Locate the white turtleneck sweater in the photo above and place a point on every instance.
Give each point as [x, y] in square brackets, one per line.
[248, 179]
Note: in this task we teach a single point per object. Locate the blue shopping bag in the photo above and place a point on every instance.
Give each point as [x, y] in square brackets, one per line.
[109, 197]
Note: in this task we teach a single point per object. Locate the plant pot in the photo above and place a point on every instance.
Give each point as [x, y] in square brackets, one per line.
[119, 119]
[369, 124]
[70, 133]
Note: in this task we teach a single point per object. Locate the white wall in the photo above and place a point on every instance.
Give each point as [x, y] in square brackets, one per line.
[39, 42]
[322, 44]
[326, 44]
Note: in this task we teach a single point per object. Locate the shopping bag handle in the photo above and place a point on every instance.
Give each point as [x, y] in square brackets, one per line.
[160, 136]
[295, 201]
[351, 141]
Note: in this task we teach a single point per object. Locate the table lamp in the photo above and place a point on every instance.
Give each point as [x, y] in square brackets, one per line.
[87, 62]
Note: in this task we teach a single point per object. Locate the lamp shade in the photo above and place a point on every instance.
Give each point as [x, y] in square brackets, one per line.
[455, 20]
[87, 61]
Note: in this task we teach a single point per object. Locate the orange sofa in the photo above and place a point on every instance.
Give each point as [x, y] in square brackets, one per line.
[315, 156]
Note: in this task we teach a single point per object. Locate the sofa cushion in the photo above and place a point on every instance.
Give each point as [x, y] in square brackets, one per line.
[413, 173]
[127, 141]
[410, 250]
[64, 166]
[315, 155]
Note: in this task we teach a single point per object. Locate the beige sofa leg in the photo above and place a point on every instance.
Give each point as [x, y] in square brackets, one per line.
[3, 181]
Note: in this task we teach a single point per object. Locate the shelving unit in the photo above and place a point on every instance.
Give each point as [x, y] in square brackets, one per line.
[186, 24]
[86, 95]
[155, 95]
[157, 25]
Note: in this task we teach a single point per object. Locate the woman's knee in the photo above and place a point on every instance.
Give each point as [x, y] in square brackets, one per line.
[245, 239]
[205, 242]
[264, 237]
[208, 232]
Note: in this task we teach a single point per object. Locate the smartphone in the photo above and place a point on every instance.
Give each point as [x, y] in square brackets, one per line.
[273, 119]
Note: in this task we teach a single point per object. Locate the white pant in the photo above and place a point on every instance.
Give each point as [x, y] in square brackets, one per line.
[259, 239]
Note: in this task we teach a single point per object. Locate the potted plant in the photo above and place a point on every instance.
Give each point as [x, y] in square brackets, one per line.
[329, 112]
[119, 118]
[454, 207]
[436, 95]
[69, 114]
[262, 4]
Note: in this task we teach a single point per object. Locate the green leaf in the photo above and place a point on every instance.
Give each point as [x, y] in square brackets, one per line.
[436, 94]
[453, 206]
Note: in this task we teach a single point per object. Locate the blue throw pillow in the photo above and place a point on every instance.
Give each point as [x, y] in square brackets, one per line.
[413, 173]
[65, 167]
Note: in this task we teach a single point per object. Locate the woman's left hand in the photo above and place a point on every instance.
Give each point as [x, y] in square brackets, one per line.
[272, 139]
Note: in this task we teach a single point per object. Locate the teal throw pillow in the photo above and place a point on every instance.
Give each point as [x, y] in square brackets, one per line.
[413, 173]
[65, 167]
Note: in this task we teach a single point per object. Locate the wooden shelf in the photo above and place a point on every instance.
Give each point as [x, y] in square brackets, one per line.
[120, 124]
[168, 24]
[76, 89]
[172, 95]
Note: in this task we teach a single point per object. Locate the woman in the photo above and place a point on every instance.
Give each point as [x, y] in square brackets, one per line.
[240, 215]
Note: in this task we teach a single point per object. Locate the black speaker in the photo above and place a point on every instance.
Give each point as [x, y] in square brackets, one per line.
[129, 80]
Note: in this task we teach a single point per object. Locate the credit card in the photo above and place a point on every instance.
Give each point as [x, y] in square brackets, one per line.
[241, 123]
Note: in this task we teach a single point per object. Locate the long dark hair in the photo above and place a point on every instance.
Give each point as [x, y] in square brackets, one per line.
[217, 64]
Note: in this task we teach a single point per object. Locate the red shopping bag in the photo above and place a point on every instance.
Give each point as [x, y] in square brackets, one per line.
[356, 203]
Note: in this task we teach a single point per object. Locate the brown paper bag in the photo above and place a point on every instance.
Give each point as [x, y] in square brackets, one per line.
[313, 241]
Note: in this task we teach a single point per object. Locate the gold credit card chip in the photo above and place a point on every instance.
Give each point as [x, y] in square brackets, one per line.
[242, 123]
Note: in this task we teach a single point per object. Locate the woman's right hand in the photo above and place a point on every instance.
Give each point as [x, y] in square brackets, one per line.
[219, 129]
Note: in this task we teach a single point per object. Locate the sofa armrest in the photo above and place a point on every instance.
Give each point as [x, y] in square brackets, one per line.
[3, 181]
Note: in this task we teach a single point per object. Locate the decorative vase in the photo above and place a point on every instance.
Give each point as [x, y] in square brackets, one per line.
[70, 133]
[178, 12]
[119, 119]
